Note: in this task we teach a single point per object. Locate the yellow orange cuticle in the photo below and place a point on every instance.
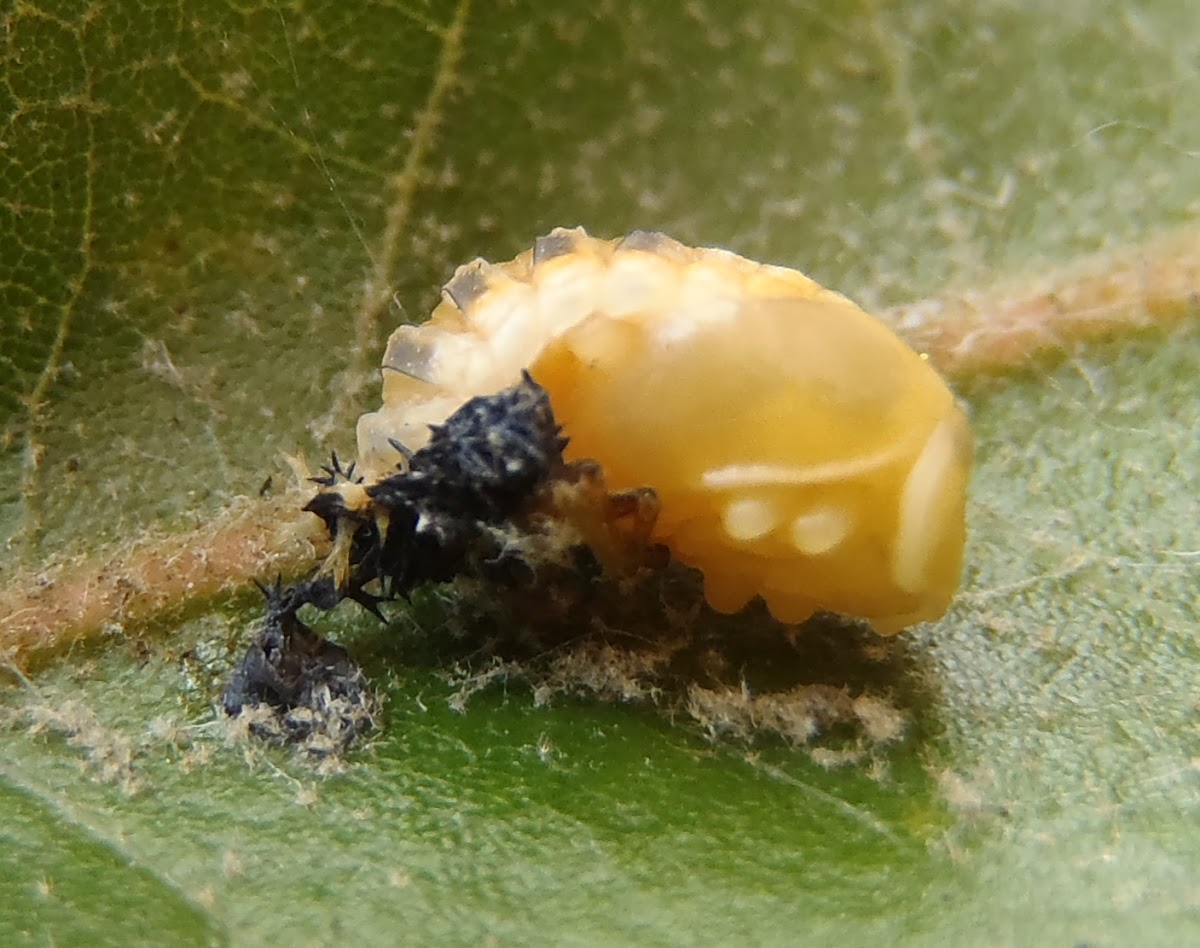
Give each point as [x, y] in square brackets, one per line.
[799, 450]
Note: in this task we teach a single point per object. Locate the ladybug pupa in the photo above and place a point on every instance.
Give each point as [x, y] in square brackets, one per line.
[799, 450]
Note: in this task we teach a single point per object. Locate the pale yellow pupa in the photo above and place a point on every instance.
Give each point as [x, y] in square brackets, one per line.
[800, 450]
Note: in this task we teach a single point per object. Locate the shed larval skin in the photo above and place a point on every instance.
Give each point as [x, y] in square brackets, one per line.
[800, 450]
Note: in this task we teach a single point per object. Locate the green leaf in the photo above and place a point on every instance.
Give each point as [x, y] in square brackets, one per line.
[63, 885]
[210, 219]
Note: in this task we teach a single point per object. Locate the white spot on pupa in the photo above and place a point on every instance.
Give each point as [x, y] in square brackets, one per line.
[820, 530]
[921, 510]
[780, 475]
[750, 518]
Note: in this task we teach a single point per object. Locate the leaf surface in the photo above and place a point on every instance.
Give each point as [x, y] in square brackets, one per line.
[210, 219]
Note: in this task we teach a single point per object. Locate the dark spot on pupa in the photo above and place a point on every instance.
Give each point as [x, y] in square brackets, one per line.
[468, 284]
[653, 242]
[409, 357]
[557, 243]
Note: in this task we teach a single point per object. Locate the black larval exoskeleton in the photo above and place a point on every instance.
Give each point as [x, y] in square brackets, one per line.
[423, 523]
[487, 458]
[432, 520]
[310, 691]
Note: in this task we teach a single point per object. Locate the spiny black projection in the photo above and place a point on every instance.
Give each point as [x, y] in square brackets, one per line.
[427, 522]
